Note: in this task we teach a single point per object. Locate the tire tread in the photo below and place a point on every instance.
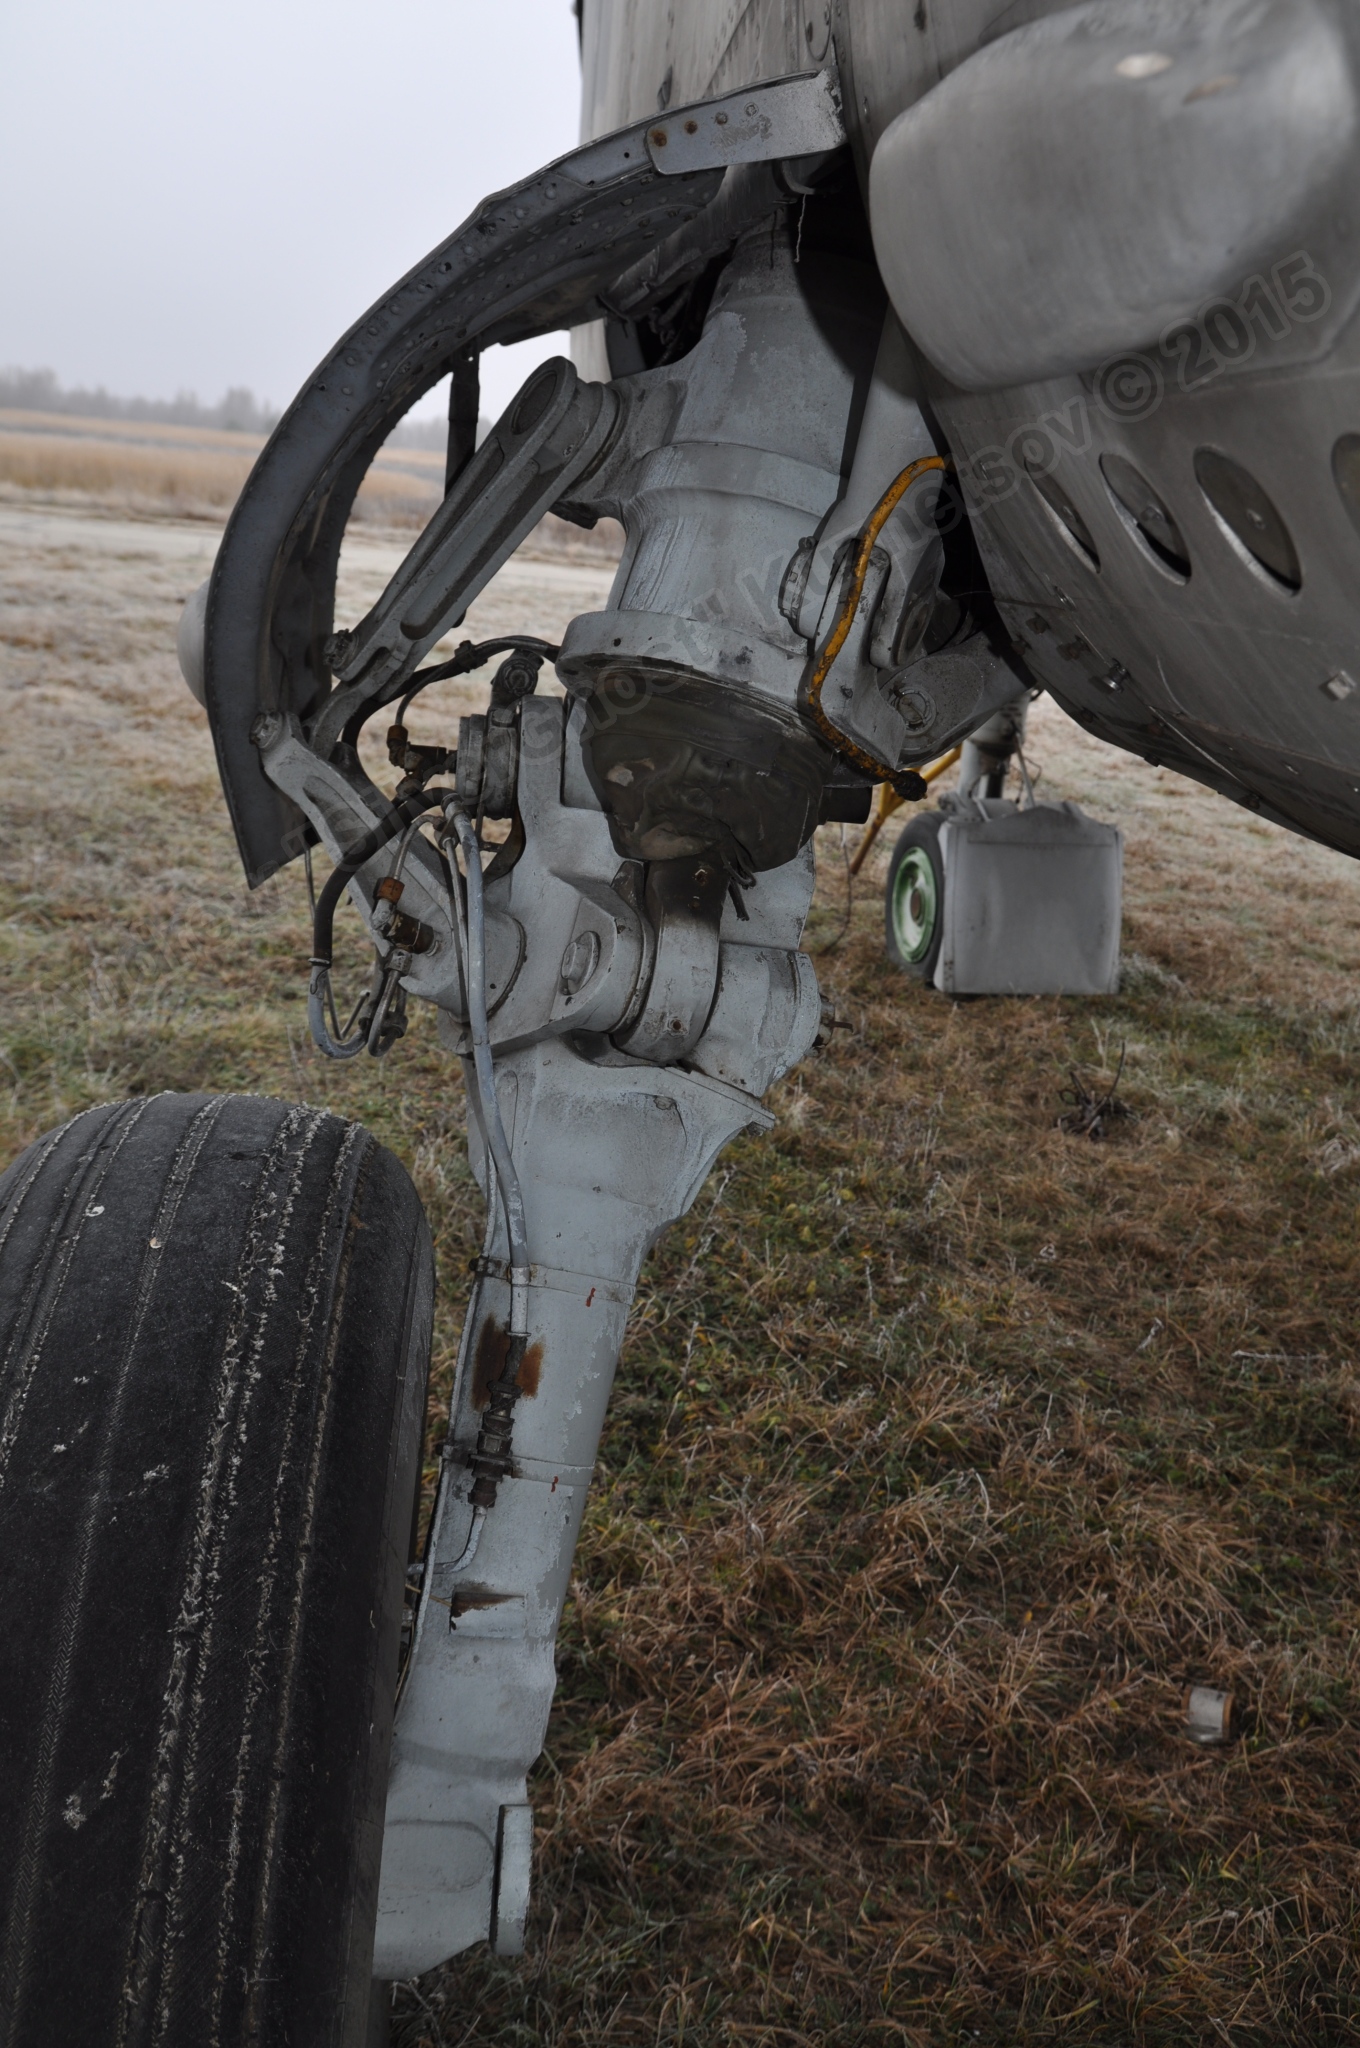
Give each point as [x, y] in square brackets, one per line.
[214, 1327]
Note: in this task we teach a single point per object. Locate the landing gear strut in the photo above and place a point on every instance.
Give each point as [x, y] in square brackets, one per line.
[622, 981]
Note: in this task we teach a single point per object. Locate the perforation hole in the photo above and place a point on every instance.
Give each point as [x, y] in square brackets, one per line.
[1249, 517]
[1146, 516]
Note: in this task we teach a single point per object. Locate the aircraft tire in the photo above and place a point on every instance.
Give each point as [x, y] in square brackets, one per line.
[913, 903]
[215, 1322]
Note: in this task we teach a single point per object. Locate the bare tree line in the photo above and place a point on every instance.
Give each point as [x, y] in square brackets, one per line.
[41, 391]
[239, 410]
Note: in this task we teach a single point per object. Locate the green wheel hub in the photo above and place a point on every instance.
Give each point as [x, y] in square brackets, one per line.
[915, 905]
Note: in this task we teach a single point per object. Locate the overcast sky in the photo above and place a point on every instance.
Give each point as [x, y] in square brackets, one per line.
[207, 194]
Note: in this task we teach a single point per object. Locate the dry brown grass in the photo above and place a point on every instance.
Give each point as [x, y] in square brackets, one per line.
[197, 473]
[187, 472]
[182, 481]
[947, 1448]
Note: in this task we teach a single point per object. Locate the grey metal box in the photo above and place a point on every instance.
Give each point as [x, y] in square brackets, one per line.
[1032, 900]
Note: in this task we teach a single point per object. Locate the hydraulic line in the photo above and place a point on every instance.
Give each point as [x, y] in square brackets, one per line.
[467, 656]
[397, 820]
[405, 847]
[321, 1012]
[398, 962]
[906, 782]
[490, 1460]
[397, 965]
[512, 1198]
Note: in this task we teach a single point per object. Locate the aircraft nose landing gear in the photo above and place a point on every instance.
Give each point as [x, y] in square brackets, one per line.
[622, 982]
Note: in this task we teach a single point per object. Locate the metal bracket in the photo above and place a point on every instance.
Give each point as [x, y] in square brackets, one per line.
[913, 714]
[792, 117]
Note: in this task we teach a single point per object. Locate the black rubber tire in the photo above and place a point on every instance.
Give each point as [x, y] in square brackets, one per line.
[214, 1336]
[921, 840]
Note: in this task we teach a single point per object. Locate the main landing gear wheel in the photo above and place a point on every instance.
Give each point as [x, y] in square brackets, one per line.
[214, 1334]
[913, 907]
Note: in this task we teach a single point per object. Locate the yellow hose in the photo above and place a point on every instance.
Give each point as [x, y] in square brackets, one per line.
[877, 520]
[886, 801]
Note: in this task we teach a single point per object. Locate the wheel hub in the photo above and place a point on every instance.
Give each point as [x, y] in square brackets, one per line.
[915, 905]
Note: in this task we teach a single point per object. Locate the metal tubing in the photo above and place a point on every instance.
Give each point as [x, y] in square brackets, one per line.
[398, 818]
[473, 935]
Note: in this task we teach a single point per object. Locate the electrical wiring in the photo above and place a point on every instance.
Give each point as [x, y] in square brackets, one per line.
[836, 639]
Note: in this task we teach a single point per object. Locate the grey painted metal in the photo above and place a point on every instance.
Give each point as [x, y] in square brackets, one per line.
[914, 713]
[513, 1874]
[651, 58]
[610, 1154]
[991, 747]
[1224, 675]
[550, 437]
[1167, 542]
[729, 457]
[189, 642]
[893, 432]
[1032, 900]
[610, 1149]
[797, 117]
[885, 693]
[1182, 147]
[1221, 672]
[746, 199]
[528, 261]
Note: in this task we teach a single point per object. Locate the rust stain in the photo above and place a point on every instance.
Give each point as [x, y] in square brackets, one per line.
[472, 1599]
[493, 1341]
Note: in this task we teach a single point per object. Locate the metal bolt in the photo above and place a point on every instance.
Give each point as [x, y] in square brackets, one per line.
[917, 710]
[579, 962]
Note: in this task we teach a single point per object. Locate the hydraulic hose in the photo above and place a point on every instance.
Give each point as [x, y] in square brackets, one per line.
[512, 1196]
[905, 781]
[323, 922]
[469, 655]
[490, 1461]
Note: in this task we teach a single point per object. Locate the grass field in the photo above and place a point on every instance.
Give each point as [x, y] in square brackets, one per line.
[947, 1450]
[192, 472]
[152, 470]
